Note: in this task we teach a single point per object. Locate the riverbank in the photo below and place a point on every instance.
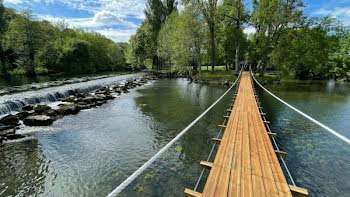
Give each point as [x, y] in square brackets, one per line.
[219, 77]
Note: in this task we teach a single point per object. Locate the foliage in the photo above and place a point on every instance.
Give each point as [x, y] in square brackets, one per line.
[204, 32]
[178, 148]
[157, 11]
[35, 47]
[272, 19]
[182, 39]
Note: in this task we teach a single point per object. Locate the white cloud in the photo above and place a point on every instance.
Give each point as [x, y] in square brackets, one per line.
[95, 24]
[13, 1]
[249, 30]
[133, 8]
[106, 14]
[341, 13]
[101, 18]
[105, 17]
[117, 35]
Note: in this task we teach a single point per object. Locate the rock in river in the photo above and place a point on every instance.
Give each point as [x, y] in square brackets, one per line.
[28, 108]
[23, 115]
[68, 109]
[41, 108]
[10, 120]
[7, 132]
[39, 120]
[70, 99]
[14, 136]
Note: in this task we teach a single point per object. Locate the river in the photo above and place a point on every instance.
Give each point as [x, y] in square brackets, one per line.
[91, 153]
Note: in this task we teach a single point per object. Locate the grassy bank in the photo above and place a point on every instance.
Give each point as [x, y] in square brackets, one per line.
[219, 76]
[222, 76]
[268, 78]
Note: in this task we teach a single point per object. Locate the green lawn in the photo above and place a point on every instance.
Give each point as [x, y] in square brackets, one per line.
[219, 76]
[268, 78]
[222, 67]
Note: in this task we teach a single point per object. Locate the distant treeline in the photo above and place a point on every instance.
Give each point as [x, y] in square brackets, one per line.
[30, 47]
[282, 38]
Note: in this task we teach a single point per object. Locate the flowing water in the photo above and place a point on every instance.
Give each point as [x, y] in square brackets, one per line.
[91, 153]
[14, 102]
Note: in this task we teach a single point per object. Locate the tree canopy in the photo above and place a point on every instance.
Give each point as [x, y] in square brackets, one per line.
[31, 47]
[200, 33]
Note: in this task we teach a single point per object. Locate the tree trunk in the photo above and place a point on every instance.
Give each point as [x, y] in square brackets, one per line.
[199, 66]
[226, 59]
[238, 40]
[155, 62]
[199, 60]
[3, 68]
[263, 68]
[212, 43]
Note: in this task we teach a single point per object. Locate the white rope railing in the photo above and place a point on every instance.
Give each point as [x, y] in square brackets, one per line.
[303, 114]
[132, 177]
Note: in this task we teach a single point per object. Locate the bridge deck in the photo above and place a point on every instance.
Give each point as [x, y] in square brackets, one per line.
[246, 163]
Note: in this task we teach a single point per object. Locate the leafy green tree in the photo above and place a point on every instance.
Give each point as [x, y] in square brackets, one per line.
[140, 48]
[182, 39]
[156, 13]
[98, 50]
[75, 57]
[24, 37]
[3, 25]
[272, 19]
[236, 14]
[209, 9]
[47, 57]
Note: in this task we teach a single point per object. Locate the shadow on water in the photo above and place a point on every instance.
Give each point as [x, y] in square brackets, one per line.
[317, 160]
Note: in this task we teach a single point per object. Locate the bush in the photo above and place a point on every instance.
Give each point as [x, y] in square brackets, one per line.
[41, 71]
[17, 72]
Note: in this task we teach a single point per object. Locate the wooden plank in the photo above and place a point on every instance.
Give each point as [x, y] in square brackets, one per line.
[298, 191]
[191, 193]
[281, 153]
[216, 141]
[206, 164]
[222, 126]
[272, 134]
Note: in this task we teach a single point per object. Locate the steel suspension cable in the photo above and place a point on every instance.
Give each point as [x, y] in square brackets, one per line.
[303, 114]
[133, 176]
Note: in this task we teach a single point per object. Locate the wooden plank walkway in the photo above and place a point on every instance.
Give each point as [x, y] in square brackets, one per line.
[246, 163]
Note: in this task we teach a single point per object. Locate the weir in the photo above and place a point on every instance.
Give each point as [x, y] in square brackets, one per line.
[246, 163]
[14, 102]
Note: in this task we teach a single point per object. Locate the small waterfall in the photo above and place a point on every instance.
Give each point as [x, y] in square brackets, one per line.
[15, 102]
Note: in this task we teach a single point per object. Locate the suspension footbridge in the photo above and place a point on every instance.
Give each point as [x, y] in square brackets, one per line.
[248, 161]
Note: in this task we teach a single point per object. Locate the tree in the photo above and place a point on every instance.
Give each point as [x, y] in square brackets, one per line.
[75, 57]
[238, 15]
[156, 13]
[3, 25]
[209, 10]
[182, 39]
[24, 36]
[271, 19]
[140, 47]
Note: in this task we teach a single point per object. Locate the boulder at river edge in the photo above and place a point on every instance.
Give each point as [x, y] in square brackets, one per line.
[41, 108]
[28, 108]
[68, 109]
[10, 120]
[39, 120]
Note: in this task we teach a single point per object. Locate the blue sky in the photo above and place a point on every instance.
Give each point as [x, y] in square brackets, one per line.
[118, 19]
